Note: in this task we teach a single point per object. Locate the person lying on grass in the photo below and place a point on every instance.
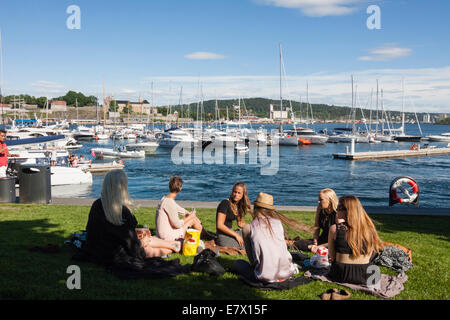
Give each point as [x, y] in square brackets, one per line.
[265, 245]
[111, 226]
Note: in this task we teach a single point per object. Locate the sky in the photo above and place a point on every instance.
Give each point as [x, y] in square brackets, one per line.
[172, 51]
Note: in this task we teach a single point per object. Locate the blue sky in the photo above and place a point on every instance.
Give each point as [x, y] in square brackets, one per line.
[231, 48]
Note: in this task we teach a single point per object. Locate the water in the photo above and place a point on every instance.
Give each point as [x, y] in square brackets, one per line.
[303, 172]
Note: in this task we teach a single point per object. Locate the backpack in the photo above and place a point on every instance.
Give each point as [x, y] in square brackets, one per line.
[205, 262]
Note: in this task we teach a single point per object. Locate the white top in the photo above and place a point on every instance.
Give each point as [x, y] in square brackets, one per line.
[273, 260]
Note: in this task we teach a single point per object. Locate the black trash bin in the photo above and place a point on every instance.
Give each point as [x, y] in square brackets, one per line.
[8, 190]
[35, 183]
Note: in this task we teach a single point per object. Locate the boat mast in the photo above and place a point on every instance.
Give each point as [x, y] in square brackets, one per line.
[376, 125]
[403, 107]
[281, 95]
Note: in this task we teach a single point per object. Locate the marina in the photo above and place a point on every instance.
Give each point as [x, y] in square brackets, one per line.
[303, 168]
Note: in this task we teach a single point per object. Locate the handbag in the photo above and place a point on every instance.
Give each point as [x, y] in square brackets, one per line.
[205, 262]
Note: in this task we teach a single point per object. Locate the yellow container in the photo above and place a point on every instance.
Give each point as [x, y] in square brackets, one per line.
[191, 241]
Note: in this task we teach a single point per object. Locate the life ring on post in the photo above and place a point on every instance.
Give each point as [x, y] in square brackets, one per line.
[404, 190]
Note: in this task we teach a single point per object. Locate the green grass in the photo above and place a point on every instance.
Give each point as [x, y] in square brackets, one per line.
[34, 275]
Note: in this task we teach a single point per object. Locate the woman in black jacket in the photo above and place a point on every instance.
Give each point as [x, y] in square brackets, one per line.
[111, 227]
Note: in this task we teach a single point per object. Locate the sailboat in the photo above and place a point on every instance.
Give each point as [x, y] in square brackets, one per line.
[402, 136]
[285, 138]
[352, 132]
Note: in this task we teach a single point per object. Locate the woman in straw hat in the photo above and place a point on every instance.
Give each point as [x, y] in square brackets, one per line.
[352, 242]
[325, 217]
[265, 245]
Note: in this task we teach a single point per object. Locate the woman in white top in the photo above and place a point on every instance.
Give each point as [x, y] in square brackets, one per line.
[169, 226]
[265, 245]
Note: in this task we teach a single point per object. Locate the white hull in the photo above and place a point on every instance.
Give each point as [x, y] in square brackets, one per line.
[110, 153]
[314, 139]
[147, 147]
[67, 176]
[287, 141]
[441, 138]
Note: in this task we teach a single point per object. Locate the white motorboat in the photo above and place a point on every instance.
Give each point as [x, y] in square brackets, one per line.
[112, 153]
[241, 149]
[84, 133]
[147, 147]
[61, 173]
[444, 137]
[308, 136]
[173, 137]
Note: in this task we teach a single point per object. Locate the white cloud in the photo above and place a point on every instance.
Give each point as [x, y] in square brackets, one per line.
[386, 53]
[426, 89]
[200, 55]
[46, 85]
[317, 8]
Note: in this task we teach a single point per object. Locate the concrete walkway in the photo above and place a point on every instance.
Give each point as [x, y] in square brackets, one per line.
[213, 205]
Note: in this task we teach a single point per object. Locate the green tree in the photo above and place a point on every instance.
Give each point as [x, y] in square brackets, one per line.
[113, 107]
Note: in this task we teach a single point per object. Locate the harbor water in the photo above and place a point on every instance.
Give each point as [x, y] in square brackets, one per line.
[302, 172]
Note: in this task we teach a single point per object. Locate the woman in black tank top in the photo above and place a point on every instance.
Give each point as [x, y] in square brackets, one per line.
[325, 217]
[351, 253]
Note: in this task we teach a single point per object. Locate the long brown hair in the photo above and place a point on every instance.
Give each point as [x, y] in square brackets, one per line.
[242, 206]
[265, 214]
[361, 236]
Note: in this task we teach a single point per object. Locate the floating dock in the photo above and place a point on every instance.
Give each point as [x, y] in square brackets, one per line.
[102, 168]
[372, 155]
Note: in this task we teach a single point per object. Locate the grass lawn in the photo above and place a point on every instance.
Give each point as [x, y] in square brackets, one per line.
[35, 275]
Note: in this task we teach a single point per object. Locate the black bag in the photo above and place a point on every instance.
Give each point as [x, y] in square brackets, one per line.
[205, 262]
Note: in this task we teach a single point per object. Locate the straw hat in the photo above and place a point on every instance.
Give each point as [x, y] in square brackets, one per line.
[264, 200]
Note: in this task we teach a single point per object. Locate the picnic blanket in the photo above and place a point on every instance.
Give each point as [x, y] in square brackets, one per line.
[225, 250]
[284, 285]
[390, 286]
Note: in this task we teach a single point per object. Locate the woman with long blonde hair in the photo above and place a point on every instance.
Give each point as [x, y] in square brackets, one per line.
[352, 242]
[111, 226]
[235, 207]
[325, 217]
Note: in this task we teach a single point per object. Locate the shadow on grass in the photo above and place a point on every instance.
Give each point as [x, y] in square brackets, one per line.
[37, 275]
[429, 225]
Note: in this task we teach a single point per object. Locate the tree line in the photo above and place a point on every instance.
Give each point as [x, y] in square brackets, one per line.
[72, 98]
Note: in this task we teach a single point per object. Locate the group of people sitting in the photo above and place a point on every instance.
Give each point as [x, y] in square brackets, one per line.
[341, 225]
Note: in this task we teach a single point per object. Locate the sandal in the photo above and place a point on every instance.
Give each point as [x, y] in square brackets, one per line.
[327, 294]
[341, 295]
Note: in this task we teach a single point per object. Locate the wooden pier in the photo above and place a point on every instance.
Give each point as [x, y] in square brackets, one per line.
[103, 168]
[372, 155]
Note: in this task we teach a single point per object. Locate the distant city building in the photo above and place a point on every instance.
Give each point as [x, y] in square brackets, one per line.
[277, 114]
[142, 106]
[58, 105]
